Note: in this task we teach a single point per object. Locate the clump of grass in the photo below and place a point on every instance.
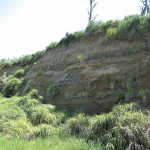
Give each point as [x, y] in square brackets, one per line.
[77, 125]
[125, 125]
[11, 87]
[72, 36]
[41, 114]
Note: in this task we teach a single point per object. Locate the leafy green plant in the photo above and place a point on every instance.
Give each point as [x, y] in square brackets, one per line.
[19, 73]
[53, 90]
[35, 94]
[111, 33]
[11, 87]
[80, 58]
[4, 79]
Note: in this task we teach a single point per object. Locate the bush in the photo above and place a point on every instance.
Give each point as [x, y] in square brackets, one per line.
[126, 124]
[24, 60]
[41, 114]
[53, 90]
[93, 28]
[52, 46]
[77, 125]
[18, 128]
[128, 28]
[34, 94]
[72, 36]
[145, 24]
[20, 73]
[111, 33]
[11, 87]
[44, 130]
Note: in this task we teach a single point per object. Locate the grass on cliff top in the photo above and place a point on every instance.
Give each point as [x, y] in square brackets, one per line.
[131, 28]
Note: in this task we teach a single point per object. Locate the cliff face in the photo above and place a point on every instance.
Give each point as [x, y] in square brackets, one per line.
[91, 74]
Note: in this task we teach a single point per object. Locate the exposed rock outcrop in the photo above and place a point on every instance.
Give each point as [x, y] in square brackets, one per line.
[92, 83]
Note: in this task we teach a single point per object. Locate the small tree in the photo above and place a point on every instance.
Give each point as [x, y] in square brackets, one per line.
[92, 4]
[145, 9]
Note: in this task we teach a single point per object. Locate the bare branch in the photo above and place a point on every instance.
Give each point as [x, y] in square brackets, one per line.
[92, 4]
[145, 9]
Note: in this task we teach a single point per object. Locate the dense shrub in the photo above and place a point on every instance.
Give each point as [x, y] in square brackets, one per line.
[53, 90]
[41, 114]
[18, 128]
[124, 126]
[19, 73]
[19, 117]
[72, 36]
[145, 24]
[128, 28]
[77, 125]
[11, 87]
[44, 130]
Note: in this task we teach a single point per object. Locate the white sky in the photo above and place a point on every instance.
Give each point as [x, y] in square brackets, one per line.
[28, 26]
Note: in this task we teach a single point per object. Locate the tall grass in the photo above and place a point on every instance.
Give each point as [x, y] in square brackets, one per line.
[54, 143]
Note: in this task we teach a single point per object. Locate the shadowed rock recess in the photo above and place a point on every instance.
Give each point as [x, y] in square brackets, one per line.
[90, 73]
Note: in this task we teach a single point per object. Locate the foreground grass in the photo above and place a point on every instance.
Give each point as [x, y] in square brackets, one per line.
[53, 143]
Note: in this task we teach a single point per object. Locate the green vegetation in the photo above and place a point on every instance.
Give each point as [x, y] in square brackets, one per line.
[53, 90]
[24, 60]
[11, 87]
[26, 117]
[72, 36]
[80, 58]
[144, 94]
[52, 46]
[19, 73]
[51, 143]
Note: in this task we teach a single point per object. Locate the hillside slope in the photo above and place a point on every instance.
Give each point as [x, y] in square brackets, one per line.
[91, 73]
